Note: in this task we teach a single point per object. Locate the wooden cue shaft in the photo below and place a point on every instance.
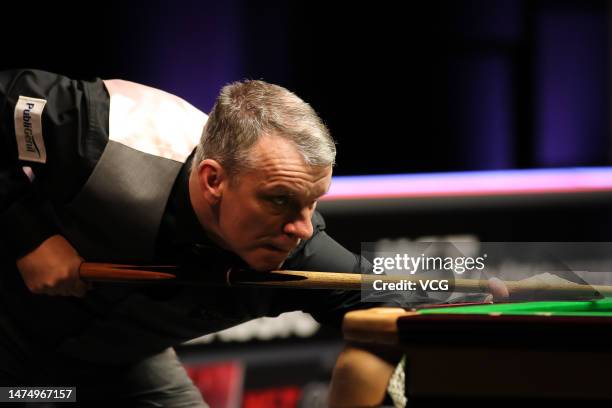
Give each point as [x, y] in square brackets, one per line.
[91, 271]
[106, 272]
[353, 281]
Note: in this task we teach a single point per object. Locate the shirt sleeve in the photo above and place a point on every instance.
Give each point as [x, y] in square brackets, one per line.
[71, 148]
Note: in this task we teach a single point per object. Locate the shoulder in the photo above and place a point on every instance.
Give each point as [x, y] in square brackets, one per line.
[318, 222]
[153, 121]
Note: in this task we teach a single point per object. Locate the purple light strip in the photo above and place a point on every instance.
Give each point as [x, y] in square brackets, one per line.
[502, 182]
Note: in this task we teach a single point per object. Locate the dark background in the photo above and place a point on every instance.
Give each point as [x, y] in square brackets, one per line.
[425, 86]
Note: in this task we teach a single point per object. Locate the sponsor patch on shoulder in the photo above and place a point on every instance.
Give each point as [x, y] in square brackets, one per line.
[28, 129]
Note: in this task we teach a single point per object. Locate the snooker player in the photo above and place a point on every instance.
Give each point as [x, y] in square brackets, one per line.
[115, 171]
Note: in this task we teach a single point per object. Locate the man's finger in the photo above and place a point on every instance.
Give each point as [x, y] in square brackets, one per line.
[498, 288]
[52, 292]
[79, 289]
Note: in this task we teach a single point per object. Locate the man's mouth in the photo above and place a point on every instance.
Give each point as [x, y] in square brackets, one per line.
[278, 248]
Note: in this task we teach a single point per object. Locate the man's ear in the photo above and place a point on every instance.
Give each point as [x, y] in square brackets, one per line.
[212, 179]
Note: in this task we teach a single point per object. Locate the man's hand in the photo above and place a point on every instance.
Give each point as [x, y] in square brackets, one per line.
[53, 269]
[498, 289]
[544, 282]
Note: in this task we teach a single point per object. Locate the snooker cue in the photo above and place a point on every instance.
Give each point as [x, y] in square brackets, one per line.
[91, 271]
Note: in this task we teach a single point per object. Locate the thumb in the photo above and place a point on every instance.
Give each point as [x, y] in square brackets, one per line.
[498, 288]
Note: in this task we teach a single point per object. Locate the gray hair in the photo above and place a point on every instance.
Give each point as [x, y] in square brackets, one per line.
[244, 111]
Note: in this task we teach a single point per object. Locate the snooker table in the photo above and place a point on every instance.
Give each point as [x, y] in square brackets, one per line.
[530, 351]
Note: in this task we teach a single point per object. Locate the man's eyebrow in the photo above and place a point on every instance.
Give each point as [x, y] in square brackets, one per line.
[279, 189]
[291, 193]
[292, 190]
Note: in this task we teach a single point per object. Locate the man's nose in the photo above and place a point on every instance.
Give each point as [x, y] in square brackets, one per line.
[301, 226]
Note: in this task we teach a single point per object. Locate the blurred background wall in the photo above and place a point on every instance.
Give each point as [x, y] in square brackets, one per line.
[459, 85]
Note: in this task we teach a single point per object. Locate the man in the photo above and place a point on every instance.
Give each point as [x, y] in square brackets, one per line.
[111, 175]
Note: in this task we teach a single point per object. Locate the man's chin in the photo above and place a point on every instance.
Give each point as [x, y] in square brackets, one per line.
[264, 265]
[264, 259]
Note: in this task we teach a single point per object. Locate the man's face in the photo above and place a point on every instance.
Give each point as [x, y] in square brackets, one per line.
[266, 212]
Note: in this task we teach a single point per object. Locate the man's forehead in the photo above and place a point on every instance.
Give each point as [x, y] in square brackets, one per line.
[306, 177]
[307, 181]
[277, 165]
[315, 187]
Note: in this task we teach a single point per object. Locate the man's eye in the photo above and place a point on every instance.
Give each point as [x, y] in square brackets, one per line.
[279, 200]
